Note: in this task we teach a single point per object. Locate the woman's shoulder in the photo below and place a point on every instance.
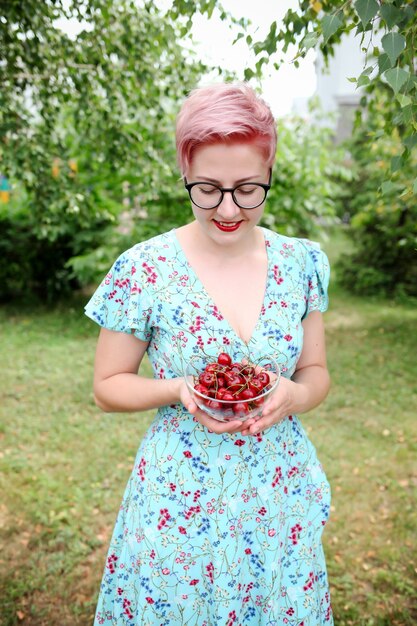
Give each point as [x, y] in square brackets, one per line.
[284, 244]
[152, 249]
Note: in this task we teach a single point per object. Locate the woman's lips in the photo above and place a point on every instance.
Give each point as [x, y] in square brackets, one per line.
[227, 227]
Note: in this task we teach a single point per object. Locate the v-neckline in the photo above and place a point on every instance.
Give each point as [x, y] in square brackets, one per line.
[180, 249]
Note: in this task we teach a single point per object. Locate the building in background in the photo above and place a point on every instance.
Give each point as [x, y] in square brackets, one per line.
[336, 93]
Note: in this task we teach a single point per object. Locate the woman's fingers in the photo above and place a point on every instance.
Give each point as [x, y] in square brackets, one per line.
[214, 425]
[245, 431]
[262, 424]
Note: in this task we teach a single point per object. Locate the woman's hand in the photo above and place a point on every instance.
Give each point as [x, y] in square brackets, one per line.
[284, 401]
[309, 384]
[211, 424]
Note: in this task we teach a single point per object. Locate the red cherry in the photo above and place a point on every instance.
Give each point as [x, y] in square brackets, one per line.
[220, 381]
[224, 359]
[211, 367]
[240, 408]
[220, 393]
[213, 404]
[234, 383]
[228, 396]
[264, 377]
[207, 379]
[256, 385]
[259, 401]
[231, 376]
[201, 389]
[248, 371]
[247, 394]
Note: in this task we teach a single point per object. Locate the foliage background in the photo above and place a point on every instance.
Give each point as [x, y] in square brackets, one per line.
[104, 100]
[383, 225]
[87, 138]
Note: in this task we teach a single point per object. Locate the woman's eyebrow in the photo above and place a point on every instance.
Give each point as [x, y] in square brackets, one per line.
[217, 182]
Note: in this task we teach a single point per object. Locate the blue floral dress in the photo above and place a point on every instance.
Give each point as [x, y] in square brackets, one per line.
[216, 530]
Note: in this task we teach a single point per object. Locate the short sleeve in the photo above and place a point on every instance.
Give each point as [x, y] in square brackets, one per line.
[121, 302]
[317, 271]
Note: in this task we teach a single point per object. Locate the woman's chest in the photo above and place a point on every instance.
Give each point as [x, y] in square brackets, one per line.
[261, 310]
[238, 292]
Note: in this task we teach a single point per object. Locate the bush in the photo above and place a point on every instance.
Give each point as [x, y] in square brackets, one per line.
[308, 178]
[36, 260]
[78, 117]
[383, 214]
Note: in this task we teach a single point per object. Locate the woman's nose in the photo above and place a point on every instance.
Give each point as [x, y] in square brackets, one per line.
[228, 208]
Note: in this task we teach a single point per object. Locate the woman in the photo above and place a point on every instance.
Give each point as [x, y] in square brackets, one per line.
[220, 523]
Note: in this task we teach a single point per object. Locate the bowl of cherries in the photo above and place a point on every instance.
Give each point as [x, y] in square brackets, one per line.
[231, 387]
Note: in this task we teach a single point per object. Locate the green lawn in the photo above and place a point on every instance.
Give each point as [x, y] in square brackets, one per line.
[65, 464]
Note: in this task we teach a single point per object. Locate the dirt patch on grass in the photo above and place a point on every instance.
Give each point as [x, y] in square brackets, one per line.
[33, 596]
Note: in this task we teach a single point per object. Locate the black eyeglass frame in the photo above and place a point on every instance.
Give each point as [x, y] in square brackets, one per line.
[223, 190]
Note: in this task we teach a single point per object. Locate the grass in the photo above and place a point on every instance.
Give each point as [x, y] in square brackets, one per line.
[65, 464]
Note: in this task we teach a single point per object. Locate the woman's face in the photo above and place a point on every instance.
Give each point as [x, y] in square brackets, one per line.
[228, 165]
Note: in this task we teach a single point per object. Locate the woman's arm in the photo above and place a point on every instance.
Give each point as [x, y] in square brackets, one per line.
[309, 384]
[117, 386]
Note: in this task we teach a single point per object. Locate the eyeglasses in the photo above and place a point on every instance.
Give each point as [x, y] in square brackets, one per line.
[245, 196]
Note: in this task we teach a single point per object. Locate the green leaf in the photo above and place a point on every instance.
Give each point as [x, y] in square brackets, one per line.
[410, 141]
[248, 73]
[259, 65]
[352, 79]
[239, 36]
[364, 77]
[366, 9]
[363, 80]
[387, 187]
[330, 24]
[396, 163]
[415, 186]
[409, 13]
[390, 14]
[210, 7]
[270, 43]
[396, 77]
[309, 41]
[407, 114]
[403, 100]
[393, 44]
[384, 63]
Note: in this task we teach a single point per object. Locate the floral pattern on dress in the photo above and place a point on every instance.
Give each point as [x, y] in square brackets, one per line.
[216, 530]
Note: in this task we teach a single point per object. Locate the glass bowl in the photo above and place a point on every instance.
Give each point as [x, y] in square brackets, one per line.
[231, 386]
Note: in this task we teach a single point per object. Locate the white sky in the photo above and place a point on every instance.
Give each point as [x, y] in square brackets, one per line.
[213, 44]
[279, 87]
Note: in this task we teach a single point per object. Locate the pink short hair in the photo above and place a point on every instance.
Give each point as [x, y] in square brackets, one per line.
[225, 112]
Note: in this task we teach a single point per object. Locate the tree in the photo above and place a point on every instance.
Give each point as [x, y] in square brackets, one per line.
[321, 25]
[308, 181]
[383, 225]
[78, 116]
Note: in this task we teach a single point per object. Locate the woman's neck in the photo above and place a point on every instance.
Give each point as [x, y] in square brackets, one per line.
[193, 237]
